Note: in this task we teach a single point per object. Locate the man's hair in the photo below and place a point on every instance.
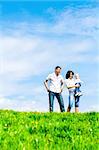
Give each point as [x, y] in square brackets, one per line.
[57, 67]
[68, 73]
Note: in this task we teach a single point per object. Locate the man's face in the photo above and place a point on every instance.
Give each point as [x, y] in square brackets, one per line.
[57, 71]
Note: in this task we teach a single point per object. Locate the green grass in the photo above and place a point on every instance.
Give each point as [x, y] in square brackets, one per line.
[48, 131]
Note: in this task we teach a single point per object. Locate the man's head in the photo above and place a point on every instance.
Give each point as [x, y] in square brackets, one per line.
[57, 70]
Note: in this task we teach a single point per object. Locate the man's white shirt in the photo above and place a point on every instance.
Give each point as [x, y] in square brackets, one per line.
[55, 82]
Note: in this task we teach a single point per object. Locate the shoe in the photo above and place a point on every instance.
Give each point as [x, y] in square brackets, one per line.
[77, 94]
[80, 94]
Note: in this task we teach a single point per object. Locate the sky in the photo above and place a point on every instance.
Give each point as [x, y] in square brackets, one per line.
[36, 36]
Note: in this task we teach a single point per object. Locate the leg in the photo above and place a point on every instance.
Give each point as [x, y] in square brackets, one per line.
[51, 101]
[79, 87]
[68, 109]
[71, 101]
[76, 109]
[77, 103]
[60, 101]
[69, 105]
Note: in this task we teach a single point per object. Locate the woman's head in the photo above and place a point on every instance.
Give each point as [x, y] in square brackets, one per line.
[69, 74]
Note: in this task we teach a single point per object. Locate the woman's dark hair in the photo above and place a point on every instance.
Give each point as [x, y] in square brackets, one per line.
[57, 67]
[68, 74]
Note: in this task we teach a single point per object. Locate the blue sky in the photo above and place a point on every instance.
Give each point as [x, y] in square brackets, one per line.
[36, 36]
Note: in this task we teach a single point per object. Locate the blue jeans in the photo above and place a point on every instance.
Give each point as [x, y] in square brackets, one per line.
[73, 99]
[77, 98]
[77, 89]
[59, 97]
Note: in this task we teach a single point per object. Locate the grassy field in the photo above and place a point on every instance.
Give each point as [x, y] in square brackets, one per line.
[48, 131]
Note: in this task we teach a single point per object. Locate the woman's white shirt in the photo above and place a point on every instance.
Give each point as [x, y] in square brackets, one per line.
[70, 83]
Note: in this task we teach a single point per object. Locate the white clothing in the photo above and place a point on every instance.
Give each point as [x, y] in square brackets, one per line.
[55, 82]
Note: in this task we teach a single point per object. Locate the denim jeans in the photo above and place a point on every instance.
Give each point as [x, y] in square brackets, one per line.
[77, 98]
[73, 100]
[59, 97]
[77, 89]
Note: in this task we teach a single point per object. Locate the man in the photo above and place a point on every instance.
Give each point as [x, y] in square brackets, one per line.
[55, 88]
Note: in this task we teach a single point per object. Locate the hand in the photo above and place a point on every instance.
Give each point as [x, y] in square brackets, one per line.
[77, 86]
[61, 90]
[48, 90]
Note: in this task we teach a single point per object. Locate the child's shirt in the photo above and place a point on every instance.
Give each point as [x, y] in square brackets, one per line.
[77, 81]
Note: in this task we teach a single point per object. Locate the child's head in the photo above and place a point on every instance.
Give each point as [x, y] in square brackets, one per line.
[77, 76]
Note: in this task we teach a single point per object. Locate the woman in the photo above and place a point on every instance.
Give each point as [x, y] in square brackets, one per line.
[70, 83]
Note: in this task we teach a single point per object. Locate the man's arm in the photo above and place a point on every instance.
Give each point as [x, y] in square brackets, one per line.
[62, 85]
[46, 85]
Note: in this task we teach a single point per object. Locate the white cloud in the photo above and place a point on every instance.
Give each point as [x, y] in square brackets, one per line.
[19, 104]
[32, 49]
[92, 108]
[83, 21]
[23, 57]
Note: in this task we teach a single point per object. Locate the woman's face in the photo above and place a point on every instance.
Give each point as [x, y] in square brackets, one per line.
[71, 75]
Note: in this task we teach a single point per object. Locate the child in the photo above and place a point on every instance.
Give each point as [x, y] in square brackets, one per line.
[78, 82]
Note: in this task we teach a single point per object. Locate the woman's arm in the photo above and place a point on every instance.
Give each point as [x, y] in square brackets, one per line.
[74, 86]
